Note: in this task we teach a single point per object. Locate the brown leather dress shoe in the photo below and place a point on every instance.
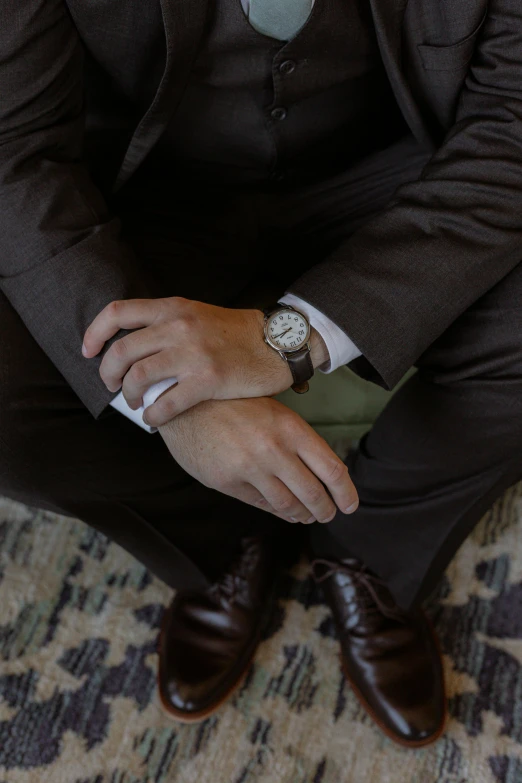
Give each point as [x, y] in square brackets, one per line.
[390, 657]
[209, 638]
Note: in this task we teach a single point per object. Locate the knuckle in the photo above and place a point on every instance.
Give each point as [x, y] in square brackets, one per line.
[166, 407]
[114, 308]
[170, 307]
[265, 446]
[161, 309]
[283, 503]
[119, 349]
[153, 418]
[178, 301]
[288, 420]
[138, 373]
[160, 413]
[183, 326]
[337, 472]
[313, 493]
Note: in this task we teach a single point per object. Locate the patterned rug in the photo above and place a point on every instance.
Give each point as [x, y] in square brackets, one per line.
[79, 620]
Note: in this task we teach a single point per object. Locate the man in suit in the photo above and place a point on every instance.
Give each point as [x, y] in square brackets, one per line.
[215, 199]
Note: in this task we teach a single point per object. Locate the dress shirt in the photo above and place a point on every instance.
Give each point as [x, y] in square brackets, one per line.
[246, 5]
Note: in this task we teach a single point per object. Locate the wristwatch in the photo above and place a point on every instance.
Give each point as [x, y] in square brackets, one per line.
[287, 331]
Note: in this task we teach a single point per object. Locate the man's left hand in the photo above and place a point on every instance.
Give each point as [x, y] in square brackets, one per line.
[214, 353]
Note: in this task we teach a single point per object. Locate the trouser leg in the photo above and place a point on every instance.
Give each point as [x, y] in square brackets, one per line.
[450, 441]
[447, 444]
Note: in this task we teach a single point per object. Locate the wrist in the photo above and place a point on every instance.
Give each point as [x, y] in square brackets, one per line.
[270, 360]
[318, 350]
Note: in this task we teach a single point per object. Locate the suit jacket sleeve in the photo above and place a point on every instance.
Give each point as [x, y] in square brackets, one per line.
[61, 258]
[444, 240]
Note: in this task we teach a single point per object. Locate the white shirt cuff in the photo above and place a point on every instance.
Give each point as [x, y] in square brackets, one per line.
[150, 396]
[340, 347]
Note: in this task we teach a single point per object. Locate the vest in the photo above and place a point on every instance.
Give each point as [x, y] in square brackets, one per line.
[263, 112]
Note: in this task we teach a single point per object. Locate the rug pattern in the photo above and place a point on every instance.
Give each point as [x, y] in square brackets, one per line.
[79, 620]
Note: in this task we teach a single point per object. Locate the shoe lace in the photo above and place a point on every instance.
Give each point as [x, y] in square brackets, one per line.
[366, 579]
[232, 582]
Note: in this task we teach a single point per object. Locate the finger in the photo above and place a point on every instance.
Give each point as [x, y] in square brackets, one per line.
[283, 501]
[144, 374]
[305, 486]
[249, 494]
[127, 352]
[331, 470]
[178, 398]
[120, 314]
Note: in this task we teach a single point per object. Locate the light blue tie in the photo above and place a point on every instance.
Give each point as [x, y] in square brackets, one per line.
[280, 19]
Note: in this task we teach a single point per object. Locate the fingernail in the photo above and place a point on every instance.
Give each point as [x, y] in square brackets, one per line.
[293, 519]
[84, 349]
[310, 519]
[352, 508]
[325, 521]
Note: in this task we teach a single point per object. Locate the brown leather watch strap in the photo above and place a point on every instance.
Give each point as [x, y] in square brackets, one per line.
[300, 362]
[302, 369]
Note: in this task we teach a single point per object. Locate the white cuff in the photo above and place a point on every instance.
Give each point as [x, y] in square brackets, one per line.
[341, 349]
[150, 396]
[339, 346]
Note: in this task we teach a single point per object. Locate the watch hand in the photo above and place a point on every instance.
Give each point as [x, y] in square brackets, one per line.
[282, 333]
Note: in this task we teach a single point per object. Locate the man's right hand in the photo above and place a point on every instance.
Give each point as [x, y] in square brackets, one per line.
[261, 452]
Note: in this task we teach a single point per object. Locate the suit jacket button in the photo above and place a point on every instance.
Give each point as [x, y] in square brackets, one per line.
[287, 66]
[278, 113]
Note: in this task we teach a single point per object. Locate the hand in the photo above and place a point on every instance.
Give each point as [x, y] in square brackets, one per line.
[213, 352]
[264, 454]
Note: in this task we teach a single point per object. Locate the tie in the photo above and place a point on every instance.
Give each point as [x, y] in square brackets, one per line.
[280, 19]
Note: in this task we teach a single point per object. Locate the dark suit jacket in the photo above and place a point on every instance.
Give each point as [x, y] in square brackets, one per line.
[456, 70]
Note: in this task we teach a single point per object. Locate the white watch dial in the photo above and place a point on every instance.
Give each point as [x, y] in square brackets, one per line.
[287, 330]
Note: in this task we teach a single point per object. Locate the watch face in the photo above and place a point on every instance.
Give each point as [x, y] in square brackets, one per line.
[287, 330]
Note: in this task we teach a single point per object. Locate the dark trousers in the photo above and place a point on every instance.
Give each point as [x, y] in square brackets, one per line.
[446, 445]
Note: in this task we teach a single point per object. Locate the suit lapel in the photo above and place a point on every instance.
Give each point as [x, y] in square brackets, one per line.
[388, 16]
[183, 22]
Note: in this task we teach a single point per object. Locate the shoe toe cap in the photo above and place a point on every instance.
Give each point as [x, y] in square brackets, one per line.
[417, 725]
[191, 697]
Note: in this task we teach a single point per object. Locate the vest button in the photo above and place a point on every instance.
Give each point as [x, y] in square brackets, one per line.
[286, 67]
[278, 113]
